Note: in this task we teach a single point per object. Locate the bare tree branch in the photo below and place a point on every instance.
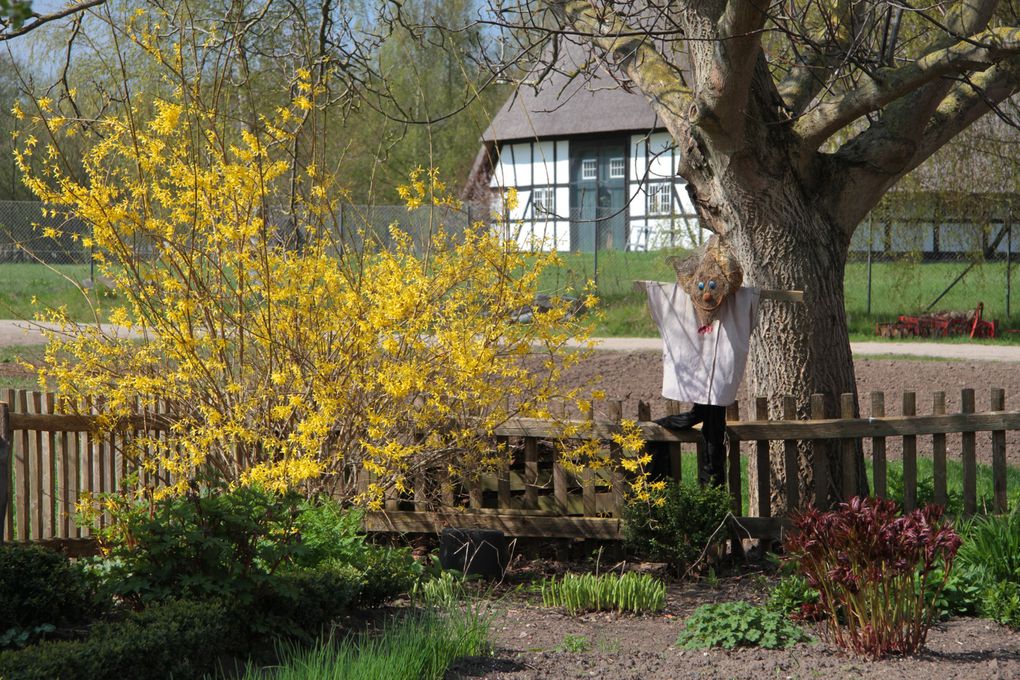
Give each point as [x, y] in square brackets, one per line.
[42, 19]
[829, 46]
[887, 85]
[657, 79]
[724, 100]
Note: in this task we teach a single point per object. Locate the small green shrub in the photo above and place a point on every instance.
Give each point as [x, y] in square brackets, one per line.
[179, 639]
[329, 533]
[388, 572]
[992, 543]
[963, 591]
[1001, 603]
[793, 597]
[299, 604]
[215, 543]
[677, 525]
[635, 593]
[739, 624]
[40, 586]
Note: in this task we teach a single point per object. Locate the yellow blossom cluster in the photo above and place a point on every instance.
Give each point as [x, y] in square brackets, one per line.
[288, 353]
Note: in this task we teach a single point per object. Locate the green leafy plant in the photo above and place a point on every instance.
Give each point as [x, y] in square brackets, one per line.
[16, 638]
[993, 545]
[739, 624]
[208, 543]
[40, 586]
[175, 639]
[793, 597]
[677, 525]
[1001, 602]
[575, 644]
[636, 593]
[877, 573]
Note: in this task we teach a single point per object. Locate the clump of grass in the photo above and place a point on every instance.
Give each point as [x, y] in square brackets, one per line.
[420, 646]
[635, 593]
[442, 592]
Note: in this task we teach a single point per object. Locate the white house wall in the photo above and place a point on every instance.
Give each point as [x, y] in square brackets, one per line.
[526, 165]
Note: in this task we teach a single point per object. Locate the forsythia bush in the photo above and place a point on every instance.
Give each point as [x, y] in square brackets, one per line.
[287, 353]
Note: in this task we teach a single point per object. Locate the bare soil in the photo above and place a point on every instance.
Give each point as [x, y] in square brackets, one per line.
[529, 643]
[637, 376]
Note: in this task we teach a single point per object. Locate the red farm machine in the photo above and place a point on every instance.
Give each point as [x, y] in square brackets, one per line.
[940, 324]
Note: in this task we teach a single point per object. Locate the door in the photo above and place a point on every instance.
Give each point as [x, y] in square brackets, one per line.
[598, 202]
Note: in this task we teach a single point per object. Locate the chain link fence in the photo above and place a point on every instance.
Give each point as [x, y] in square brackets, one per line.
[914, 253]
[24, 226]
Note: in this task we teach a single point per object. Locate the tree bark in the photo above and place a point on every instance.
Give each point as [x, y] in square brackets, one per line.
[784, 240]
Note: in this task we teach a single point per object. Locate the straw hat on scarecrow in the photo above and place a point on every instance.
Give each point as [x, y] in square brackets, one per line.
[709, 276]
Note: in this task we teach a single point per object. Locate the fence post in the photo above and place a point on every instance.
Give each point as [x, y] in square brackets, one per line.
[791, 469]
[909, 456]
[969, 456]
[878, 448]
[6, 451]
[938, 446]
[998, 403]
[820, 455]
[761, 462]
[849, 449]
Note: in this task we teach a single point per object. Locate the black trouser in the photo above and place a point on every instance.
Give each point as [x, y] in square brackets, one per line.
[713, 430]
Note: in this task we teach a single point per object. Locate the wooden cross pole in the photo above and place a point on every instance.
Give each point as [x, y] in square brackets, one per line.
[765, 293]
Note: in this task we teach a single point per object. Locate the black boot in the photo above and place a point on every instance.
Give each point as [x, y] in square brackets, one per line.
[684, 421]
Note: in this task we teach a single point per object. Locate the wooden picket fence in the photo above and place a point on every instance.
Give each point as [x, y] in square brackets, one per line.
[47, 459]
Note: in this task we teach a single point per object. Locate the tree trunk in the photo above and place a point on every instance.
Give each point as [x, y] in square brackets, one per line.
[785, 243]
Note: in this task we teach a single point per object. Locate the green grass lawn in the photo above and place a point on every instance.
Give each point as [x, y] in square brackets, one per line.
[33, 288]
[896, 288]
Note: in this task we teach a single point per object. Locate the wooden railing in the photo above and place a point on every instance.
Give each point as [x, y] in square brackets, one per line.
[48, 459]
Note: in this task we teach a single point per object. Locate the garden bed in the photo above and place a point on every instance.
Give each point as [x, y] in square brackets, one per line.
[533, 642]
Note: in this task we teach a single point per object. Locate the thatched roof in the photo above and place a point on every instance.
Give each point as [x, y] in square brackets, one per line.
[576, 96]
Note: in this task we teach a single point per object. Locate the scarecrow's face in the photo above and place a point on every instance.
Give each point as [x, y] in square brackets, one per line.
[708, 287]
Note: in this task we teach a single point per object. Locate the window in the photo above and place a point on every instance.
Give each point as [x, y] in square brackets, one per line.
[589, 168]
[616, 168]
[660, 198]
[543, 202]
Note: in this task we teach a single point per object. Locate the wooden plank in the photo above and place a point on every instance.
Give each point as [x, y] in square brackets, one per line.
[854, 428]
[614, 411]
[969, 455]
[791, 470]
[588, 482]
[733, 457]
[909, 456]
[6, 468]
[848, 449]
[1000, 502]
[33, 480]
[531, 472]
[880, 470]
[838, 428]
[820, 455]
[67, 422]
[51, 478]
[761, 462]
[938, 449]
[503, 474]
[511, 525]
[68, 492]
[23, 488]
[7, 435]
[72, 547]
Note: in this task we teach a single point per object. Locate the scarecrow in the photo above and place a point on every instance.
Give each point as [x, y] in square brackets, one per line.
[706, 319]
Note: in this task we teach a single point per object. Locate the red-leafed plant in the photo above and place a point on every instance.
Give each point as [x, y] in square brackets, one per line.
[878, 574]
